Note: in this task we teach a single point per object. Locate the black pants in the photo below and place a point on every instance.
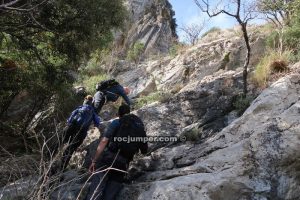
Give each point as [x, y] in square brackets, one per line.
[106, 185]
[99, 101]
[103, 188]
[74, 136]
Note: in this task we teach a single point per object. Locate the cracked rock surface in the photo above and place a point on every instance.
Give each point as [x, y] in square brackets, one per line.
[255, 157]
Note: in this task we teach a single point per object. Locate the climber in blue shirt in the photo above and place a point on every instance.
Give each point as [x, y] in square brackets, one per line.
[77, 128]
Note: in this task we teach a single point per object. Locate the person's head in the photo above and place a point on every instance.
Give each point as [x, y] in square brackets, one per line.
[127, 90]
[88, 100]
[123, 110]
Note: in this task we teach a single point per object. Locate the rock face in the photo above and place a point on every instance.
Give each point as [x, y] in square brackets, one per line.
[190, 66]
[191, 105]
[151, 23]
[255, 157]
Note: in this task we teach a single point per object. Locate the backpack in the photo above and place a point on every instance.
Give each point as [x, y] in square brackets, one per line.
[130, 125]
[83, 116]
[104, 85]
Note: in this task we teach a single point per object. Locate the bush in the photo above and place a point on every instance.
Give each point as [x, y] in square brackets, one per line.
[272, 40]
[272, 62]
[135, 53]
[93, 66]
[241, 103]
[145, 100]
[292, 37]
[192, 135]
[165, 97]
[90, 83]
[176, 49]
[211, 30]
[162, 97]
[286, 37]
[176, 88]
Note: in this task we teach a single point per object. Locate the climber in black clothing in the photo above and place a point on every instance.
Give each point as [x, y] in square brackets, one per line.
[109, 90]
[105, 185]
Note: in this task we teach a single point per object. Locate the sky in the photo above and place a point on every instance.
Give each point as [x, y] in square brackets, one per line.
[186, 12]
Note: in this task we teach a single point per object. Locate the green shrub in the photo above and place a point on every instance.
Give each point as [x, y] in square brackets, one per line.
[211, 30]
[135, 53]
[90, 83]
[176, 49]
[173, 51]
[145, 100]
[272, 40]
[165, 97]
[241, 103]
[192, 135]
[93, 66]
[162, 97]
[290, 37]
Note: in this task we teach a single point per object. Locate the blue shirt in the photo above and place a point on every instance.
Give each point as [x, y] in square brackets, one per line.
[95, 118]
[112, 128]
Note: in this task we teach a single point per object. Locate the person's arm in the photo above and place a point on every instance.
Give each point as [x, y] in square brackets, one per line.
[72, 116]
[100, 149]
[98, 101]
[96, 119]
[144, 146]
[123, 94]
[103, 142]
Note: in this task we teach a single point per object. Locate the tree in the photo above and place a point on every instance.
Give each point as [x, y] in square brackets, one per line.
[192, 32]
[45, 39]
[242, 12]
[279, 13]
[276, 11]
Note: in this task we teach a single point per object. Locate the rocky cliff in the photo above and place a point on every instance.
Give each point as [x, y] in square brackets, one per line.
[150, 22]
[255, 157]
[224, 156]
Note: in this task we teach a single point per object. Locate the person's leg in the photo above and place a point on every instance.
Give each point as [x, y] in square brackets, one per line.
[99, 101]
[98, 184]
[102, 102]
[69, 133]
[60, 140]
[112, 189]
[74, 144]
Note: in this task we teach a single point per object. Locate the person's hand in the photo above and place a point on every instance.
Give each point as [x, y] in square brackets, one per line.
[101, 127]
[92, 167]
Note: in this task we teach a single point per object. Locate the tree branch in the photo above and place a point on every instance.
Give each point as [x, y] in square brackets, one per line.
[5, 5]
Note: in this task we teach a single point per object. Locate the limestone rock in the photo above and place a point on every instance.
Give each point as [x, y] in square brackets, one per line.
[255, 157]
[151, 23]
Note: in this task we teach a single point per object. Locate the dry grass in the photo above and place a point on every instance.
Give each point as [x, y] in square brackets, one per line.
[272, 64]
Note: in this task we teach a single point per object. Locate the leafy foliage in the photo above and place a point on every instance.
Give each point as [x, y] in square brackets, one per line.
[90, 83]
[276, 11]
[193, 135]
[242, 102]
[287, 37]
[176, 49]
[135, 53]
[153, 97]
[41, 41]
